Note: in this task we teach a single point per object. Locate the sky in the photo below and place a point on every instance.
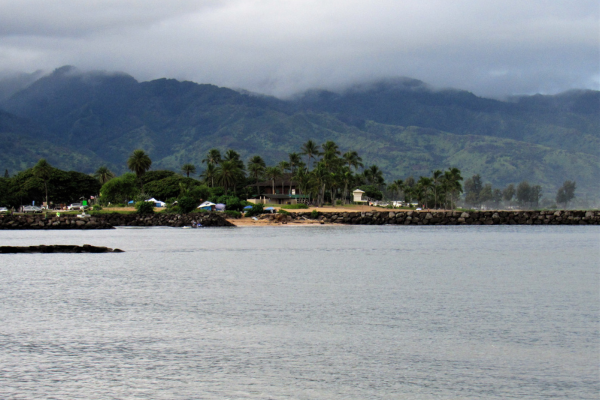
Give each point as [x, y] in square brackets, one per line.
[281, 47]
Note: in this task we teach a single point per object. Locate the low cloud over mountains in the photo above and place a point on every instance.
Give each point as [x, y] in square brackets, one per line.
[493, 48]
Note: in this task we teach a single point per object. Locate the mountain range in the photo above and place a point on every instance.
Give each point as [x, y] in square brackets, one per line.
[81, 121]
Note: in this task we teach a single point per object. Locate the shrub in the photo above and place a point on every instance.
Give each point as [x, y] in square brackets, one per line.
[144, 207]
[338, 203]
[314, 214]
[283, 212]
[187, 205]
[233, 213]
[255, 210]
[294, 206]
[97, 208]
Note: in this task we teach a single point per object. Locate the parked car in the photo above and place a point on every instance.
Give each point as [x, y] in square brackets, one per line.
[32, 209]
[3, 210]
[74, 206]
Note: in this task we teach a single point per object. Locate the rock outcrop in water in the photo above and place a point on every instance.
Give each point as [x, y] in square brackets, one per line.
[86, 248]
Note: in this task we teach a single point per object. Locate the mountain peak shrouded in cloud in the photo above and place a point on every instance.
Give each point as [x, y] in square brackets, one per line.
[494, 48]
[86, 119]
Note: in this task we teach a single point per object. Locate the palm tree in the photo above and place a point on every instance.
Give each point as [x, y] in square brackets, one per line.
[352, 159]
[139, 162]
[284, 166]
[212, 157]
[330, 147]
[374, 176]
[423, 188]
[436, 180]
[257, 167]
[451, 184]
[232, 155]
[295, 161]
[228, 174]
[321, 177]
[188, 169]
[43, 170]
[310, 149]
[393, 189]
[103, 174]
[273, 173]
[302, 177]
[209, 174]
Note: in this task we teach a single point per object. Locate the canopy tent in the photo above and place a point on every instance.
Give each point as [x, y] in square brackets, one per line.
[207, 205]
[248, 208]
[157, 203]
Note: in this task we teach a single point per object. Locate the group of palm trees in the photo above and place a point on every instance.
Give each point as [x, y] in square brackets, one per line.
[321, 173]
[441, 190]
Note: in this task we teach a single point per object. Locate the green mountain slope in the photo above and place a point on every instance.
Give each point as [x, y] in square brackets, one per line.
[22, 144]
[86, 120]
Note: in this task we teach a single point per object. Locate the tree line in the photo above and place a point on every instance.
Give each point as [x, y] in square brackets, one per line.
[322, 174]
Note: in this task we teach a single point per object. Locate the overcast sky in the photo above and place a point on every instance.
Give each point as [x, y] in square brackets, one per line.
[279, 47]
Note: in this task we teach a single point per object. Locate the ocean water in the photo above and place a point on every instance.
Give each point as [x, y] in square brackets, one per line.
[356, 312]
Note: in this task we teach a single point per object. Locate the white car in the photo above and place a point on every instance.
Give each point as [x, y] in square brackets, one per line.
[3, 210]
[32, 209]
[74, 206]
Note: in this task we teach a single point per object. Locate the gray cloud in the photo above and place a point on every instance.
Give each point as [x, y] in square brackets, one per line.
[493, 48]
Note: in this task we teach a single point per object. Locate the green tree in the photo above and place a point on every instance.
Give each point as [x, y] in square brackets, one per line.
[257, 167]
[535, 195]
[508, 193]
[232, 155]
[374, 176]
[103, 174]
[311, 150]
[209, 174]
[188, 169]
[119, 189]
[452, 186]
[566, 193]
[423, 190]
[523, 192]
[272, 173]
[212, 157]
[352, 160]
[43, 171]
[139, 162]
[473, 186]
[229, 174]
[295, 161]
[486, 194]
[436, 181]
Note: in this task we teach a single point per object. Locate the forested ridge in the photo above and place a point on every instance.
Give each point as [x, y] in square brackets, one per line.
[82, 121]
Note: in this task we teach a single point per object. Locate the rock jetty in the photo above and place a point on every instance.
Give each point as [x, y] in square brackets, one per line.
[456, 217]
[86, 248]
[109, 221]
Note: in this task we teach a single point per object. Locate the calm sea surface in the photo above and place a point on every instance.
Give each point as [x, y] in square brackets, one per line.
[304, 313]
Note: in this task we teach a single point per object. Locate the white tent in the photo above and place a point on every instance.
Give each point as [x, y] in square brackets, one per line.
[207, 205]
[157, 203]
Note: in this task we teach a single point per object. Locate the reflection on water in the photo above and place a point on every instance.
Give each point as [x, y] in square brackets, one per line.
[303, 313]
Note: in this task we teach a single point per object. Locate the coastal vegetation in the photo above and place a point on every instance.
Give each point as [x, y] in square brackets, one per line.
[323, 174]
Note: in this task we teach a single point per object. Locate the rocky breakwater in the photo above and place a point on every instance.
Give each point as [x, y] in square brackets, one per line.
[458, 218]
[86, 248]
[109, 221]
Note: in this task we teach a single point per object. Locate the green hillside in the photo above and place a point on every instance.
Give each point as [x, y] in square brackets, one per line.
[81, 121]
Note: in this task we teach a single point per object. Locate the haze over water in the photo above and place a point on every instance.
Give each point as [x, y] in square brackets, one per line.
[357, 312]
